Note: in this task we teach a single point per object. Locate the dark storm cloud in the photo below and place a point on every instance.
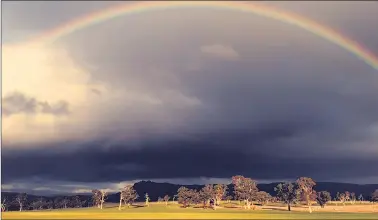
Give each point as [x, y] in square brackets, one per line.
[19, 103]
[291, 104]
[179, 160]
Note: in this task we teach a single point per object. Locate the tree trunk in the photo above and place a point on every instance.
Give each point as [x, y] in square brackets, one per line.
[248, 203]
[20, 207]
[288, 207]
[101, 206]
[120, 204]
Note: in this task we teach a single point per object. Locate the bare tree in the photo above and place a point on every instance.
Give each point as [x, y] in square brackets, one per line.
[4, 204]
[360, 198]
[21, 200]
[245, 189]
[104, 195]
[147, 197]
[288, 193]
[166, 199]
[306, 186]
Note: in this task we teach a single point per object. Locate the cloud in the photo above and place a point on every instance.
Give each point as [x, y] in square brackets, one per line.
[146, 109]
[18, 103]
[221, 51]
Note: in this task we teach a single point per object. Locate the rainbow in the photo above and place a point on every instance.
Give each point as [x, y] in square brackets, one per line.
[250, 7]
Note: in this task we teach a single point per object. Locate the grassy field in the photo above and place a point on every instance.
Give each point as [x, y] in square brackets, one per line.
[173, 211]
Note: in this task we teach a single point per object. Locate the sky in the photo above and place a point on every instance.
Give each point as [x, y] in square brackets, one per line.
[185, 96]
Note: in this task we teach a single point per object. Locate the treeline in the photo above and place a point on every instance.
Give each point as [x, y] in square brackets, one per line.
[243, 189]
[22, 202]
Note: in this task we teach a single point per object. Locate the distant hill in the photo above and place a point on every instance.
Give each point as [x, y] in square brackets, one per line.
[156, 190]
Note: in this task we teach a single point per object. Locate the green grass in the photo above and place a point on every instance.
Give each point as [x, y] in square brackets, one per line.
[173, 211]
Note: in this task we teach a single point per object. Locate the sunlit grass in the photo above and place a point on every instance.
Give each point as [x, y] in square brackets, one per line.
[173, 211]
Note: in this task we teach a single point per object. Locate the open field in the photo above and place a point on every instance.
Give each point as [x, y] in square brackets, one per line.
[173, 211]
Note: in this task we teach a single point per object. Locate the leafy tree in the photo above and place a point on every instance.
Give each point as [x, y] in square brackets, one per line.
[263, 197]
[245, 189]
[220, 191]
[127, 195]
[207, 193]
[374, 196]
[306, 185]
[21, 199]
[166, 199]
[323, 197]
[347, 196]
[99, 197]
[342, 198]
[96, 198]
[184, 196]
[288, 193]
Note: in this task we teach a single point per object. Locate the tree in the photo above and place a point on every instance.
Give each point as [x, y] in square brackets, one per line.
[306, 185]
[146, 196]
[96, 197]
[21, 200]
[49, 204]
[4, 204]
[347, 196]
[360, 198]
[104, 195]
[39, 204]
[166, 199]
[228, 198]
[245, 189]
[353, 198]
[207, 193]
[174, 197]
[76, 202]
[220, 191]
[263, 197]
[160, 199]
[184, 196]
[323, 197]
[127, 195]
[288, 193]
[374, 196]
[65, 202]
[342, 198]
